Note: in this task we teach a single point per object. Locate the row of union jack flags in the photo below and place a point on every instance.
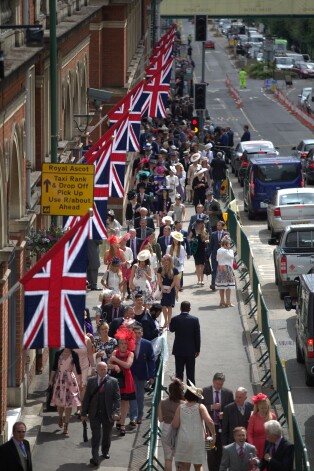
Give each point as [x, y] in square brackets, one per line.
[55, 288]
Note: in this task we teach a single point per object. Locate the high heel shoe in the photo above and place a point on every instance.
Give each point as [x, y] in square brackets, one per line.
[122, 431]
[230, 305]
[65, 429]
[60, 422]
[118, 426]
[223, 305]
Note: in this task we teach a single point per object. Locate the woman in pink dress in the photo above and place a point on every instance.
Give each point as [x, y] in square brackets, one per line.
[255, 431]
[66, 392]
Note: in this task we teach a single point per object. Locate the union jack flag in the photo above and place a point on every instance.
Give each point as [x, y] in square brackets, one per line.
[158, 61]
[118, 160]
[55, 291]
[131, 103]
[165, 38]
[157, 88]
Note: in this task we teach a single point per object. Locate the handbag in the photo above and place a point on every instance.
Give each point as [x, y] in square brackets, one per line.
[120, 377]
[194, 245]
[171, 437]
[234, 265]
[49, 392]
[207, 267]
[157, 295]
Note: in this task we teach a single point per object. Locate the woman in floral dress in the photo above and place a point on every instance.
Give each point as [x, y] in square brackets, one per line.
[66, 392]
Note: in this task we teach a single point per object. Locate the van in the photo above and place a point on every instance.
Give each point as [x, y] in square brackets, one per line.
[264, 176]
[304, 325]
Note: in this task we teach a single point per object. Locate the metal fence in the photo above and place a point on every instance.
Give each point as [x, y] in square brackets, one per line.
[276, 370]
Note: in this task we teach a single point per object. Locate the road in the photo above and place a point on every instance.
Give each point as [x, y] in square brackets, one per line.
[267, 120]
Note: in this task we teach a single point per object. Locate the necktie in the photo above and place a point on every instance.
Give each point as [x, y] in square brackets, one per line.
[241, 452]
[216, 412]
[102, 387]
[167, 240]
[273, 449]
[219, 236]
[241, 409]
[137, 350]
[133, 248]
[115, 314]
[21, 445]
[143, 234]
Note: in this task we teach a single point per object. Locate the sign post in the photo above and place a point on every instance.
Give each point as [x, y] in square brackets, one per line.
[67, 189]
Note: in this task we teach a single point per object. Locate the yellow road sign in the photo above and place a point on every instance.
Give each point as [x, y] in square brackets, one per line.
[67, 189]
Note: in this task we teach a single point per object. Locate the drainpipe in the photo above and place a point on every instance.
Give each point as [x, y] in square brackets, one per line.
[27, 119]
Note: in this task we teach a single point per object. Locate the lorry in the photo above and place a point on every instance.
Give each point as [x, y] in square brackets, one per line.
[293, 257]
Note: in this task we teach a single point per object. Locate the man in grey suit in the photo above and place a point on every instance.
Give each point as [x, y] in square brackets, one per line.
[101, 404]
[216, 398]
[239, 456]
[236, 414]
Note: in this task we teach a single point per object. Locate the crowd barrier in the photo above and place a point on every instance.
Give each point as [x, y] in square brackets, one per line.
[294, 109]
[270, 359]
[233, 92]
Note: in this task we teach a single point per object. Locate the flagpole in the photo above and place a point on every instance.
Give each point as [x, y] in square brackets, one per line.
[12, 290]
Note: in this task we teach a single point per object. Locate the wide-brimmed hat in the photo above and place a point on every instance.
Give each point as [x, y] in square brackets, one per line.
[160, 190]
[195, 157]
[131, 194]
[198, 392]
[143, 255]
[208, 146]
[172, 168]
[163, 151]
[177, 235]
[199, 172]
[167, 218]
[110, 212]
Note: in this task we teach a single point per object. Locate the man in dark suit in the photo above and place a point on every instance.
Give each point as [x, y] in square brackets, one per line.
[143, 215]
[143, 370]
[15, 455]
[143, 231]
[278, 452]
[101, 404]
[132, 208]
[199, 215]
[113, 310]
[236, 414]
[239, 455]
[117, 322]
[187, 341]
[165, 240]
[134, 243]
[213, 246]
[143, 199]
[216, 398]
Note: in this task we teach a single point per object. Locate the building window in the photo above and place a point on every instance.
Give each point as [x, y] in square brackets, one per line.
[7, 12]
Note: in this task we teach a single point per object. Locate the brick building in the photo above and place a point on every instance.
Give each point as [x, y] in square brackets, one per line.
[100, 44]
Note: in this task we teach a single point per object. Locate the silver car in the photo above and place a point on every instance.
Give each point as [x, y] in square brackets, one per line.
[288, 207]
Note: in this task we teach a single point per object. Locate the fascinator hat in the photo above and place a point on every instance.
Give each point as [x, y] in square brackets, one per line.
[198, 392]
[259, 397]
[124, 333]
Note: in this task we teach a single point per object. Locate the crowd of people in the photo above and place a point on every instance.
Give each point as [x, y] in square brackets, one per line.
[143, 278]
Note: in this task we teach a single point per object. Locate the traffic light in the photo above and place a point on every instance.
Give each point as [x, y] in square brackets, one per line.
[195, 124]
[200, 27]
[200, 96]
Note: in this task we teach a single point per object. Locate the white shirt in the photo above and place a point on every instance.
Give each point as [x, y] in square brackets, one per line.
[225, 256]
[178, 262]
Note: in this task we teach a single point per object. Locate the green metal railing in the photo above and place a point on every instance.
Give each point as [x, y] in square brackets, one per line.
[153, 432]
[277, 371]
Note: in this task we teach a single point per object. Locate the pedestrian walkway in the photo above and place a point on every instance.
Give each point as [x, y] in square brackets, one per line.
[224, 348]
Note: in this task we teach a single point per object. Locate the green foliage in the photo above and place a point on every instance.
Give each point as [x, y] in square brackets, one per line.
[41, 241]
[256, 71]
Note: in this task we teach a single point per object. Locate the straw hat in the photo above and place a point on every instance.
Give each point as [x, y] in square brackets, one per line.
[208, 146]
[195, 157]
[173, 168]
[143, 255]
[198, 392]
[199, 172]
[177, 235]
[167, 219]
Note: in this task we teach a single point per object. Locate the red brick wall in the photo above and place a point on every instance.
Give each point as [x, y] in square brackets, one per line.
[20, 353]
[3, 347]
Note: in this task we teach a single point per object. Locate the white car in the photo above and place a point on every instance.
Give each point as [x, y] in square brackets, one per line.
[288, 207]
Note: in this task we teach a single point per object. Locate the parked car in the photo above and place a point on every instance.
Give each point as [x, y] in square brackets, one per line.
[308, 167]
[209, 44]
[303, 148]
[303, 70]
[289, 207]
[247, 157]
[293, 257]
[250, 146]
[266, 175]
[304, 326]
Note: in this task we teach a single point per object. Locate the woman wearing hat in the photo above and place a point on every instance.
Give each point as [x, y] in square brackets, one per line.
[114, 250]
[193, 168]
[181, 174]
[225, 278]
[199, 234]
[172, 182]
[113, 226]
[141, 276]
[199, 187]
[169, 285]
[146, 245]
[177, 251]
[178, 209]
[255, 430]
[190, 419]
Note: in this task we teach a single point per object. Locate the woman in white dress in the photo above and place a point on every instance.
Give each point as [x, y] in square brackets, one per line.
[189, 419]
[141, 276]
[127, 265]
[146, 245]
[172, 182]
[178, 253]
